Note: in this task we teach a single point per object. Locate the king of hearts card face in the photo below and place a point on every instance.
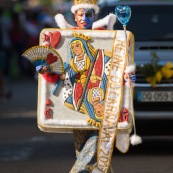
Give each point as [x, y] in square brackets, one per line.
[75, 98]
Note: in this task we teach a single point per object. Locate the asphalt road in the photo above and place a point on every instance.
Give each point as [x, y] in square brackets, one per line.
[25, 149]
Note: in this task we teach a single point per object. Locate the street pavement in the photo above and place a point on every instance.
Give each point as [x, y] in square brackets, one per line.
[25, 149]
[23, 102]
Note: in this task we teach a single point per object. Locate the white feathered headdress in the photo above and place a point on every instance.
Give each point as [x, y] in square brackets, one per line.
[85, 4]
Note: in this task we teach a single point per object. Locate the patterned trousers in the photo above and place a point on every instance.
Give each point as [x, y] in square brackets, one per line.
[85, 142]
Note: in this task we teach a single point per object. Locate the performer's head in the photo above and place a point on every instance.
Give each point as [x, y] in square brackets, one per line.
[84, 12]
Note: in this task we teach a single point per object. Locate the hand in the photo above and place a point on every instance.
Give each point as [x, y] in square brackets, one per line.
[62, 76]
[43, 70]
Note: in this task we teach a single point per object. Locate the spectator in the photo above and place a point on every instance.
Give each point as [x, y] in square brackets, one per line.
[4, 48]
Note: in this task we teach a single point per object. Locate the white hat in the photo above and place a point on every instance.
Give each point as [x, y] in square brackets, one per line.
[85, 4]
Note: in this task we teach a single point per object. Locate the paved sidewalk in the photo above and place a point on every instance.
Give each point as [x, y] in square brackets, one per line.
[23, 102]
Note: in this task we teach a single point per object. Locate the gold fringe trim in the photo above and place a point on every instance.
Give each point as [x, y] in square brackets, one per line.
[94, 123]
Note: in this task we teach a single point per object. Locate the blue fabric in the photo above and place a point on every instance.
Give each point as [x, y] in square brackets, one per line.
[39, 67]
[87, 153]
[133, 78]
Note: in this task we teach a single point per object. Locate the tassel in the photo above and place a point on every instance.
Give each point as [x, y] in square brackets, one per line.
[130, 69]
[135, 139]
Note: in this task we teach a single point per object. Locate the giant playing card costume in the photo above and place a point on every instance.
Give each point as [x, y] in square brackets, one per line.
[86, 87]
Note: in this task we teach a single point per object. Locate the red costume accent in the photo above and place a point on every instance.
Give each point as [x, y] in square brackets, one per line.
[55, 38]
[124, 115]
[51, 77]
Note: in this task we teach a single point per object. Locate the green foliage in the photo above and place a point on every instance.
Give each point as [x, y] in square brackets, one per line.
[150, 69]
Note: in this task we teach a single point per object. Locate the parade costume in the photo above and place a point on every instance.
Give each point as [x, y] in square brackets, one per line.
[78, 86]
[102, 59]
[96, 89]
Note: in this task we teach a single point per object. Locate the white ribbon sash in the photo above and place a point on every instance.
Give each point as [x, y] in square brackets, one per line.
[112, 106]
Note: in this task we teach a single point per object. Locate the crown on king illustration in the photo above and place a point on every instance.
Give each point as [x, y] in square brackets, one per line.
[91, 4]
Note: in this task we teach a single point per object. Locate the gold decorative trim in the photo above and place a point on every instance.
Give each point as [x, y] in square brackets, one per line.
[76, 2]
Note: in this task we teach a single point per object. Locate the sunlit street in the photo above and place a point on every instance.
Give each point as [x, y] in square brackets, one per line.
[25, 149]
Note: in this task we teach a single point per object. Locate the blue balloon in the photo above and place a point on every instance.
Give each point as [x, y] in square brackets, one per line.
[123, 14]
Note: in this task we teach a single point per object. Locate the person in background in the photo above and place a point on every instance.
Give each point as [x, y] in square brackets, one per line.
[5, 46]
